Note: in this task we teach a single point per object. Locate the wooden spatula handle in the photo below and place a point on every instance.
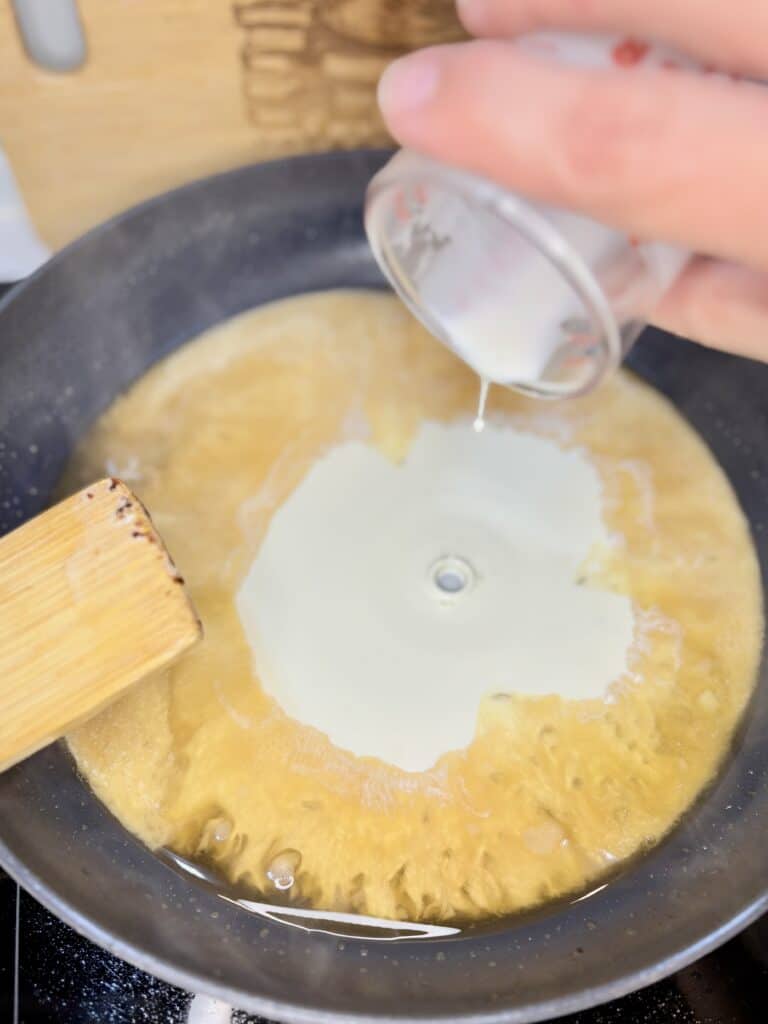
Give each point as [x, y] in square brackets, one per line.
[90, 602]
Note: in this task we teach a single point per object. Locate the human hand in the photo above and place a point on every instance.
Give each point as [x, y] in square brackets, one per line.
[664, 154]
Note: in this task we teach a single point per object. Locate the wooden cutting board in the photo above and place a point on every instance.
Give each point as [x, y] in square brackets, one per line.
[171, 90]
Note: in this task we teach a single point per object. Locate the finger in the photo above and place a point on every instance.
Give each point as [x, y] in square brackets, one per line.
[725, 35]
[660, 154]
[721, 305]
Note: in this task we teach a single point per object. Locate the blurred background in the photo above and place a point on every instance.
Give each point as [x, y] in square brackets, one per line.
[106, 102]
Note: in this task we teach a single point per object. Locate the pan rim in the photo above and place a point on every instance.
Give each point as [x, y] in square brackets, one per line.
[296, 1013]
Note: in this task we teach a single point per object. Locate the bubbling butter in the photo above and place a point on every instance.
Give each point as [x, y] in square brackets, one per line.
[335, 423]
[351, 630]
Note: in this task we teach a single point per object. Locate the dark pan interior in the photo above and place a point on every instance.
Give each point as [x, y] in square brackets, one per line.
[73, 337]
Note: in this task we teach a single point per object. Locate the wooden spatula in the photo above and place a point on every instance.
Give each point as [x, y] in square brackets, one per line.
[90, 602]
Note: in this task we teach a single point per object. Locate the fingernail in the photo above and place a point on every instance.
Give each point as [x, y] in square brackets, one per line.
[408, 83]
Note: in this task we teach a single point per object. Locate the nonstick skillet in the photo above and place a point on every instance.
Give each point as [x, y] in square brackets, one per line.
[74, 336]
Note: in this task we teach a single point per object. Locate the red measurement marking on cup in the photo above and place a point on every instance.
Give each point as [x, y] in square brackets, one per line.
[629, 52]
[420, 194]
[402, 213]
[575, 360]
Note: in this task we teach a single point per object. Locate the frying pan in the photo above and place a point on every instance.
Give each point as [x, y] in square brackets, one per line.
[73, 337]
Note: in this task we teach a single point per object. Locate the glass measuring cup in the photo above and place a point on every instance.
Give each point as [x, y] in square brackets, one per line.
[530, 296]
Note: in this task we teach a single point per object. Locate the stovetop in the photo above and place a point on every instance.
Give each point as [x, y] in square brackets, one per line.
[50, 975]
